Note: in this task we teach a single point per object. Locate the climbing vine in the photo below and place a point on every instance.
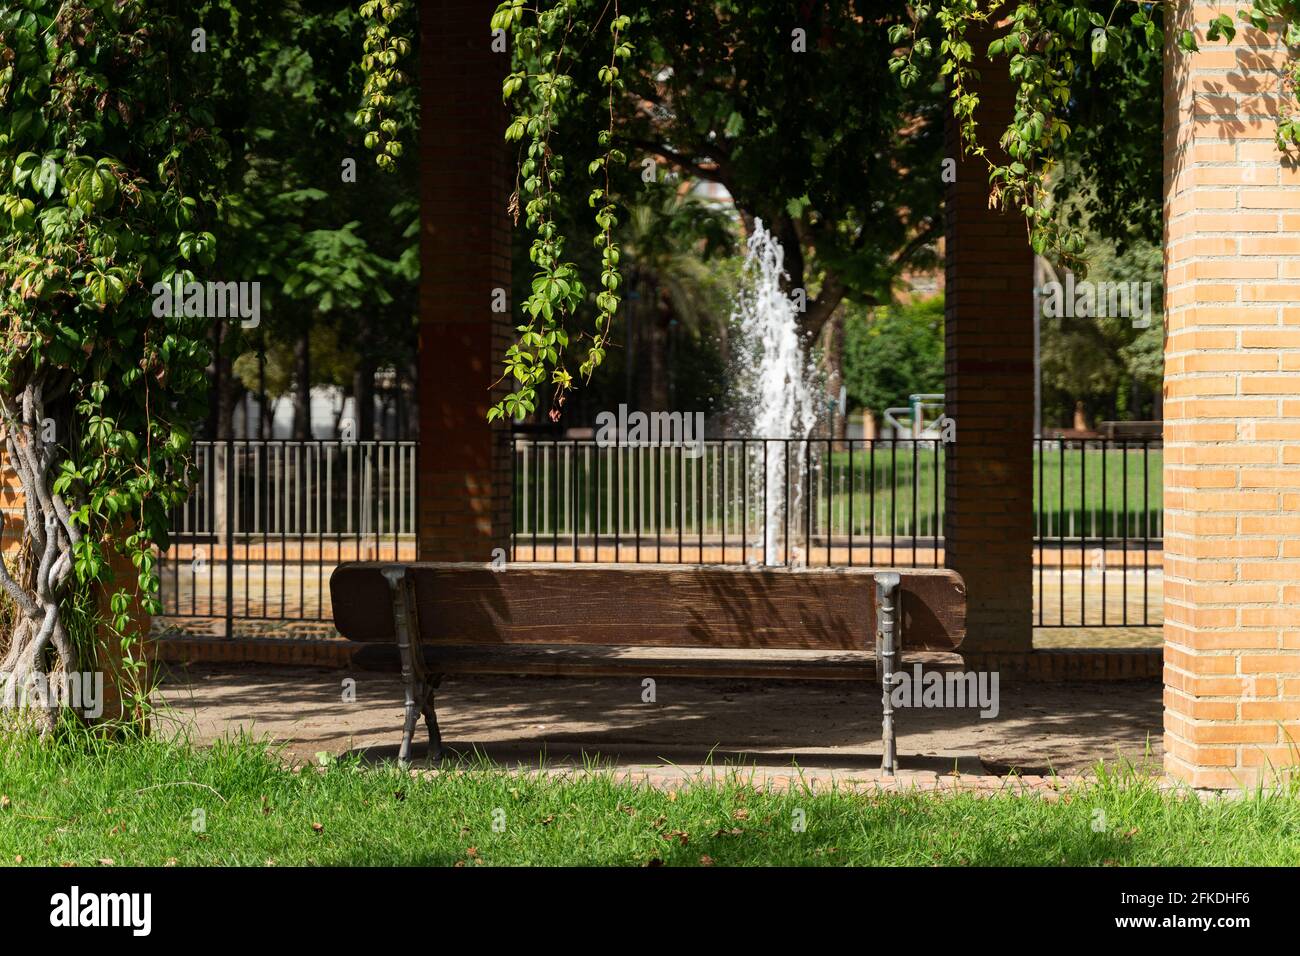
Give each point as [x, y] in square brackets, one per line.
[1045, 46]
[107, 162]
[384, 49]
[1043, 43]
[1284, 17]
[541, 35]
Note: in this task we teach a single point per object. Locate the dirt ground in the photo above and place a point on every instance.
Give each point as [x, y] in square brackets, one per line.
[830, 726]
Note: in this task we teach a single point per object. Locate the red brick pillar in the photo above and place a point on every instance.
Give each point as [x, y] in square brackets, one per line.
[989, 391]
[465, 169]
[119, 681]
[1232, 415]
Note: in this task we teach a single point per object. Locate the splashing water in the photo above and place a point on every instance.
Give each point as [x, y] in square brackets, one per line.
[773, 393]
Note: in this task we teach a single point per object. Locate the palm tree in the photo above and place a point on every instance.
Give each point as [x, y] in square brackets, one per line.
[667, 242]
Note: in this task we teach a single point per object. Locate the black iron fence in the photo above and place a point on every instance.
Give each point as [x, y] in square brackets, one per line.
[268, 520]
[1097, 511]
[1099, 533]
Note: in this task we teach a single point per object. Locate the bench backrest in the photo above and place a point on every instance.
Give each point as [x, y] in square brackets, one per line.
[717, 606]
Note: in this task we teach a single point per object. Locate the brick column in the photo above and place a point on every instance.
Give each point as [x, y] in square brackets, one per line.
[1232, 411]
[108, 650]
[989, 392]
[465, 168]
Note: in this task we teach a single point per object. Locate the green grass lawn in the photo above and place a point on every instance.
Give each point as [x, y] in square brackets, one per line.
[1094, 491]
[153, 803]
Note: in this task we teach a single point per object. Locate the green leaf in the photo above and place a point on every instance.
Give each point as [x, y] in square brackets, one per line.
[103, 188]
[46, 178]
[1099, 43]
[23, 166]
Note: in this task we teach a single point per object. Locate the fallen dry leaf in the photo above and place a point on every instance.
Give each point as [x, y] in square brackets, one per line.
[706, 860]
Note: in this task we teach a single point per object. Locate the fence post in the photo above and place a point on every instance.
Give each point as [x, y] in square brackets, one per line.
[230, 537]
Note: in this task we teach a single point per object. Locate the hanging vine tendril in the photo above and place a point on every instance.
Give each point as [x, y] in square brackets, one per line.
[552, 310]
[383, 52]
[1042, 43]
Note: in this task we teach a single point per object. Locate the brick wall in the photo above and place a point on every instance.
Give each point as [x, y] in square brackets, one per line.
[1232, 412]
[989, 393]
[465, 170]
[11, 507]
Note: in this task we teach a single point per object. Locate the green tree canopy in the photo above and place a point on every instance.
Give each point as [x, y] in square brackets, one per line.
[893, 352]
[793, 111]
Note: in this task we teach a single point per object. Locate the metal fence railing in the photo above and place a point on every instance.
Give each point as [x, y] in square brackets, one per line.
[1099, 532]
[730, 501]
[1097, 511]
[267, 521]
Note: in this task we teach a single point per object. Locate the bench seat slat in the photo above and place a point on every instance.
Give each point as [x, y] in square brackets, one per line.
[643, 605]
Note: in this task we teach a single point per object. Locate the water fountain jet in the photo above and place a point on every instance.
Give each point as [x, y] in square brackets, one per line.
[774, 396]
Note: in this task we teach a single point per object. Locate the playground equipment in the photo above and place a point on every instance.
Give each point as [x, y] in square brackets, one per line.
[916, 425]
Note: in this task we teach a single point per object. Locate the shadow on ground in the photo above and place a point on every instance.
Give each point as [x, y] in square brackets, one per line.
[1040, 727]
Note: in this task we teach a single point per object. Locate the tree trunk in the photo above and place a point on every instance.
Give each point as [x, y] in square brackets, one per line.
[408, 426]
[632, 380]
[363, 400]
[659, 328]
[399, 406]
[302, 388]
[228, 395]
[39, 649]
[215, 372]
[832, 354]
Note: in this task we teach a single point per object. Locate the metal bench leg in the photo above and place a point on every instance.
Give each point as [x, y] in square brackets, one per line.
[431, 720]
[395, 576]
[887, 584]
[408, 726]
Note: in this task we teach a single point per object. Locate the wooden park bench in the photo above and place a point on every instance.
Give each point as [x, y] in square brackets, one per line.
[588, 620]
